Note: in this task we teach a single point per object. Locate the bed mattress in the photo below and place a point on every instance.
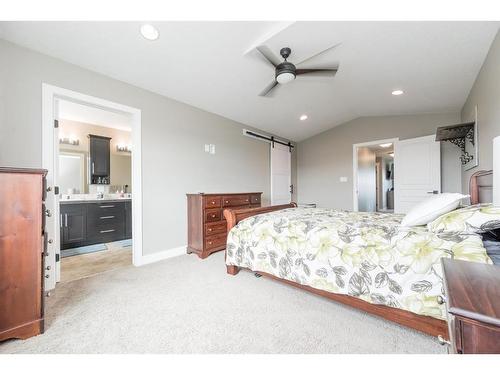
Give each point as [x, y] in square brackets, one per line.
[365, 255]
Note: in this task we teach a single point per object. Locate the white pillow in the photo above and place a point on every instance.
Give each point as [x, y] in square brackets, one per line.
[431, 208]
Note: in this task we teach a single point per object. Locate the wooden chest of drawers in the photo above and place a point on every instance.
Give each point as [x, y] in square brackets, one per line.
[207, 230]
[472, 297]
[23, 244]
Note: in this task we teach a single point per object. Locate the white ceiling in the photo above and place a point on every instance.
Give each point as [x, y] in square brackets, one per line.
[208, 65]
[93, 115]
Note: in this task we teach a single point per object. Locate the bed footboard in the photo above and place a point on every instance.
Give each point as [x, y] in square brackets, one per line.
[233, 217]
[233, 270]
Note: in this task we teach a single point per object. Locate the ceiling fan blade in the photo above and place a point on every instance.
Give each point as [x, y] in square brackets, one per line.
[268, 55]
[317, 72]
[319, 53]
[268, 88]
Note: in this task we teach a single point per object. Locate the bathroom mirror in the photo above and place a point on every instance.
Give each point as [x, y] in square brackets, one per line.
[71, 172]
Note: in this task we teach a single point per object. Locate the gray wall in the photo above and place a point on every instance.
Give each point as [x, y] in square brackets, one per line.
[173, 135]
[324, 158]
[485, 94]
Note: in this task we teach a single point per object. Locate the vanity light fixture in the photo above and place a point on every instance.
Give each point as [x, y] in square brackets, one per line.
[124, 148]
[385, 145]
[391, 154]
[397, 92]
[73, 141]
[149, 32]
[303, 117]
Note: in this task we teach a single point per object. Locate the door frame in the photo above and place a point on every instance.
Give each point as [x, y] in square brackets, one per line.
[355, 147]
[50, 152]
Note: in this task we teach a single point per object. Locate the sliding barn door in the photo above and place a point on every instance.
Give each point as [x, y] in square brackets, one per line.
[417, 171]
[281, 174]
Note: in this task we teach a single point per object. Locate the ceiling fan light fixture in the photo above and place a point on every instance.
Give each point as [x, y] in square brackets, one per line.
[149, 32]
[285, 72]
[397, 92]
[285, 77]
[303, 117]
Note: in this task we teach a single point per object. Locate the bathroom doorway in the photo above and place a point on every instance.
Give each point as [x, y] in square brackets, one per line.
[94, 184]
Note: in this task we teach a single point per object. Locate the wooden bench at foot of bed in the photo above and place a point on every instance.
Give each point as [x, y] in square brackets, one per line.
[426, 324]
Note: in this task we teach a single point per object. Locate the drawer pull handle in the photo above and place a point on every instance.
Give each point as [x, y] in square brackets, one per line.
[227, 201]
[440, 300]
[209, 229]
[106, 217]
[107, 231]
[108, 206]
[209, 242]
[213, 215]
[213, 202]
[246, 200]
[443, 341]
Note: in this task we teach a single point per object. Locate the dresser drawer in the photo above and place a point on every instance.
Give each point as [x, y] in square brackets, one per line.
[215, 228]
[235, 200]
[255, 199]
[212, 242]
[212, 202]
[213, 215]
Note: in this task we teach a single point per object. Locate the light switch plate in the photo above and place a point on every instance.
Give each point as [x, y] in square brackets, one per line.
[207, 148]
[343, 179]
[212, 149]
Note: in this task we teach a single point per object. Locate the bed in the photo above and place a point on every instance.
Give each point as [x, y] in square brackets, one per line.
[365, 260]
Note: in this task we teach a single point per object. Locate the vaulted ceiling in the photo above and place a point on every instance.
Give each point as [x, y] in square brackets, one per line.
[213, 65]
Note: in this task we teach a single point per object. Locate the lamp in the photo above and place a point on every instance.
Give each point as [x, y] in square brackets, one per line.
[496, 171]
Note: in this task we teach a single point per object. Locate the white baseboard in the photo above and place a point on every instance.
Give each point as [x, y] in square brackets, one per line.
[161, 255]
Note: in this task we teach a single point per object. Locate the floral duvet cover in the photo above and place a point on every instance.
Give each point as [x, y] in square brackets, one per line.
[365, 255]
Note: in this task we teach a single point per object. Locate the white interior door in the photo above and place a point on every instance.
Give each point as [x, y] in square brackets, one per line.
[281, 174]
[417, 165]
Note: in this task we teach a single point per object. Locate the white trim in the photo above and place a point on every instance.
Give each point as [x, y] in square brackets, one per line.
[50, 94]
[355, 165]
[162, 255]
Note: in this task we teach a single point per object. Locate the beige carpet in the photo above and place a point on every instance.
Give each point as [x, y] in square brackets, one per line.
[188, 305]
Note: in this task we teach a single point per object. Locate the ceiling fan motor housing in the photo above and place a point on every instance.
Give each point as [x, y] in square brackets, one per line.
[285, 72]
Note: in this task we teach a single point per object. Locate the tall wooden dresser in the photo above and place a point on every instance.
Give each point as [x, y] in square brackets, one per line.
[207, 230]
[22, 247]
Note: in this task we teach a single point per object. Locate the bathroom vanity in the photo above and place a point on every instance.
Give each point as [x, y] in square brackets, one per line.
[89, 222]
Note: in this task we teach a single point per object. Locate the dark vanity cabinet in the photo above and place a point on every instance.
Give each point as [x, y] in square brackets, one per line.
[93, 222]
[73, 223]
[99, 150]
[128, 219]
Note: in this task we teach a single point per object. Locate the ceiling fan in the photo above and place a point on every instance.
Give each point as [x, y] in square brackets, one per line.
[285, 71]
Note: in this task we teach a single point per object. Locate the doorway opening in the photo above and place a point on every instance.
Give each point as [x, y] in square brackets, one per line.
[95, 190]
[91, 148]
[373, 176]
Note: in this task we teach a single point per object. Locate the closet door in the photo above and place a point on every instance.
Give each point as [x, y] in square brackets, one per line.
[417, 164]
[281, 174]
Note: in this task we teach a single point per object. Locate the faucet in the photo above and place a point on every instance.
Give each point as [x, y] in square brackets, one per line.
[100, 195]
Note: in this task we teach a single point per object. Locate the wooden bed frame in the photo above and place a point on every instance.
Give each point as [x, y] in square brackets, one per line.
[481, 192]
[426, 324]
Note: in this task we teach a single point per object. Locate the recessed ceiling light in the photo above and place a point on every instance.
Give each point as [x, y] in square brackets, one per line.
[398, 92]
[303, 117]
[385, 145]
[150, 32]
